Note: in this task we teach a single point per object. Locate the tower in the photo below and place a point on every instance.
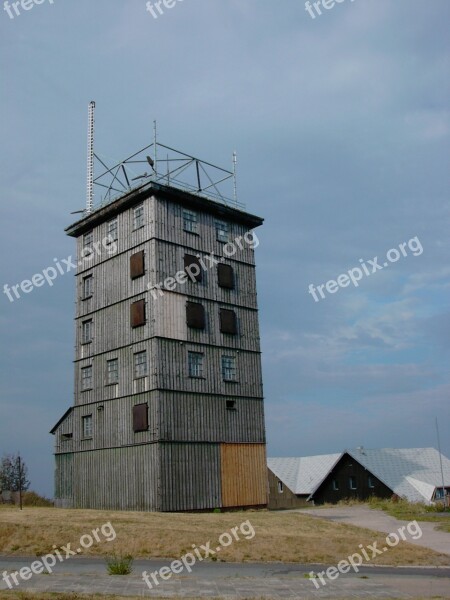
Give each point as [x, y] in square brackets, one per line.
[168, 411]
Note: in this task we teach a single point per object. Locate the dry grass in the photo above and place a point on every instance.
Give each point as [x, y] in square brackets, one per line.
[285, 537]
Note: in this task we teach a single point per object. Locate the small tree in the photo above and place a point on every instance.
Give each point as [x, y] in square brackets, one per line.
[13, 472]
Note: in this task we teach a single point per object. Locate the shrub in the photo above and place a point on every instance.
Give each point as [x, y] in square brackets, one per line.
[34, 499]
[120, 565]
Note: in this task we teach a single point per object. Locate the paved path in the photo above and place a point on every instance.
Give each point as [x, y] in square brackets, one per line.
[378, 520]
[236, 581]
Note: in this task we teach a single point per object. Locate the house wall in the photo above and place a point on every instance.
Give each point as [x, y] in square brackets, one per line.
[342, 472]
[285, 499]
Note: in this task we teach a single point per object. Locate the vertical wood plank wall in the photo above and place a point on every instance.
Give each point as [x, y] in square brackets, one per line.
[244, 475]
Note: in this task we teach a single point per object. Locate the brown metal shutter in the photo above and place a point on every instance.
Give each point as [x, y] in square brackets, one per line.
[190, 259]
[140, 417]
[138, 313]
[137, 265]
[228, 321]
[195, 315]
[226, 276]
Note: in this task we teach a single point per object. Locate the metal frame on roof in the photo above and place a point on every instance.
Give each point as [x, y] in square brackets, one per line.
[182, 171]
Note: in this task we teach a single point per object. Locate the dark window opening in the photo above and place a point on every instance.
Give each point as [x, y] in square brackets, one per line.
[226, 276]
[140, 417]
[137, 265]
[228, 321]
[352, 482]
[193, 267]
[231, 404]
[335, 485]
[195, 315]
[138, 313]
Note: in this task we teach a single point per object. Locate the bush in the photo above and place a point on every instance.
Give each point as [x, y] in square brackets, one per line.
[120, 565]
[34, 499]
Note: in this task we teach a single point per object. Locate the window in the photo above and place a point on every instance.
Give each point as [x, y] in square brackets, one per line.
[112, 371]
[195, 315]
[190, 221]
[352, 482]
[231, 404]
[137, 313]
[86, 378]
[88, 287]
[439, 494]
[86, 332]
[87, 426]
[229, 368]
[228, 321]
[140, 417]
[112, 230]
[140, 364]
[222, 231]
[335, 485]
[137, 265]
[138, 216]
[226, 276]
[371, 482]
[193, 268]
[195, 360]
[88, 239]
[280, 487]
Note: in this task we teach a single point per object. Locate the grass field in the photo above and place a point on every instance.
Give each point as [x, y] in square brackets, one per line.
[59, 596]
[285, 537]
[410, 512]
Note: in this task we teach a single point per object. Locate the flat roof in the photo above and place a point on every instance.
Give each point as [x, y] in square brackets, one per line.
[129, 199]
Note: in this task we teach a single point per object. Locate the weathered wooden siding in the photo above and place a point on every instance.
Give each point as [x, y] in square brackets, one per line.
[112, 424]
[174, 374]
[244, 475]
[117, 478]
[190, 476]
[285, 499]
[64, 481]
[178, 463]
[201, 418]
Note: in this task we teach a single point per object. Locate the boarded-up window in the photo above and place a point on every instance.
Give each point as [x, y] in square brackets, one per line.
[195, 315]
[140, 417]
[228, 321]
[192, 267]
[226, 276]
[137, 265]
[138, 313]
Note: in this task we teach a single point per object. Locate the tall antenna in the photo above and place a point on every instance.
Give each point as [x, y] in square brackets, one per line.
[90, 159]
[234, 176]
[155, 148]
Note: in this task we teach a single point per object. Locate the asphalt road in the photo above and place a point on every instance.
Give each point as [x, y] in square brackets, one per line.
[235, 581]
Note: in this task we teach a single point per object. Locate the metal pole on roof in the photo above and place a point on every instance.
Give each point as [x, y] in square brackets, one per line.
[234, 177]
[90, 159]
[155, 152]
[440, 460]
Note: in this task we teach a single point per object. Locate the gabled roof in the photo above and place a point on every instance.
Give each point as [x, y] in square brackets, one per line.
[63, 418]
[411, 473]
[303, 475]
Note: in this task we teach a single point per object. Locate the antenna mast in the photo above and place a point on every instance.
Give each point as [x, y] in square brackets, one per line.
[234, 176]
[90, 160]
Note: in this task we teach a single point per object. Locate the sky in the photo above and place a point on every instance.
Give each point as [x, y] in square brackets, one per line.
[341, 125]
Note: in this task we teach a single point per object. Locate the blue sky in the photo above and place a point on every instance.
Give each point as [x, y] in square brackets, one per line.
[341, 125]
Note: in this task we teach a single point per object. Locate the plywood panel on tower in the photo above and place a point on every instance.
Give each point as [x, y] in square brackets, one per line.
[244, 475]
